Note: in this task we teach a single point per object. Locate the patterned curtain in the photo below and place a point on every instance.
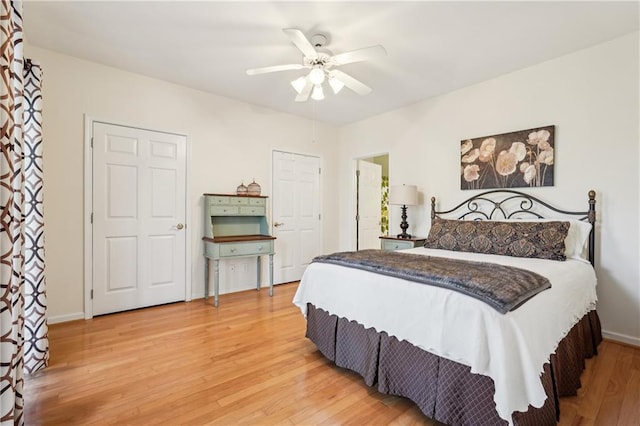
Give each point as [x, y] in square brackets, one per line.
[23, 330]
[36, 342]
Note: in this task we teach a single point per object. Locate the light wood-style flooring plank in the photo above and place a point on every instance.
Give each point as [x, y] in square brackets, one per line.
[248, 362]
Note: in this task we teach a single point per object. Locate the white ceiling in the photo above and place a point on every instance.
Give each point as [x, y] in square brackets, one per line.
[433, 47]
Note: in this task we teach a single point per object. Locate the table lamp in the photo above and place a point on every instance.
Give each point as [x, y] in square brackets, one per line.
[404, 195]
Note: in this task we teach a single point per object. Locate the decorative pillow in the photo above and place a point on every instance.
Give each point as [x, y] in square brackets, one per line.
[575, 245]
[544, 240]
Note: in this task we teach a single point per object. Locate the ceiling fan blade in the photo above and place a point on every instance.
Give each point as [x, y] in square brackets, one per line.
[301, 42]
[358, 55]
[353, 84]
[305, 92]
[263, 70]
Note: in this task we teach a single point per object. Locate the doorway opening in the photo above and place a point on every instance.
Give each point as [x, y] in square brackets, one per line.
[372, 200]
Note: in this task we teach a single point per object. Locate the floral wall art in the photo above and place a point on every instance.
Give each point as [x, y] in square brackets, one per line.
[509, 160]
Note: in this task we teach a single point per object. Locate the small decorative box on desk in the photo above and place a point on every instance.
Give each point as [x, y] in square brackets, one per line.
[395, 243]
[235, 226]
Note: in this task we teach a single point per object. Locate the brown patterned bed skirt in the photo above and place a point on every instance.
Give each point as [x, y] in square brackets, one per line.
[445, 390]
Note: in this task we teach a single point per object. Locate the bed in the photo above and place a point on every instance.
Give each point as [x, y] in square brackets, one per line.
[458, 358]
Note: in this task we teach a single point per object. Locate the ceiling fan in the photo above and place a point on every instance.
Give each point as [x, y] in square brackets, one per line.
[321, 64]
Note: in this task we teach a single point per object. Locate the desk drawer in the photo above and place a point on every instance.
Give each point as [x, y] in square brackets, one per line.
[223, 210]
[252, 211]
[217, 200]
[245, 249]
[237, 201]
[257, 202]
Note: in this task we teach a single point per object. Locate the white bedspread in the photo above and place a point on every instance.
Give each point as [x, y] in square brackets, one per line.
[510, 348]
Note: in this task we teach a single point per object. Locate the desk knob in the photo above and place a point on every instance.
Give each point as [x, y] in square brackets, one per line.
[277, 224]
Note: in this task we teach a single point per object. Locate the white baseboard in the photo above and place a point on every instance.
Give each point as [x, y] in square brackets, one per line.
[65, 318]
[623, 338]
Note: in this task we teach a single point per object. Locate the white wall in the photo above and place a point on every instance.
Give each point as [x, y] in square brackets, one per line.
[591, 96]
[229, 141]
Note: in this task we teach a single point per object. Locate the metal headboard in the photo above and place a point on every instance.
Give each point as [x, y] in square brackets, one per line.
[507, 204]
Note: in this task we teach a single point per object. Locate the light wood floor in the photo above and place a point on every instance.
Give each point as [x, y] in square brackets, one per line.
[248, 362]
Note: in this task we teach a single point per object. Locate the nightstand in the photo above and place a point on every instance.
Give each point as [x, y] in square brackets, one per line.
[394, 243]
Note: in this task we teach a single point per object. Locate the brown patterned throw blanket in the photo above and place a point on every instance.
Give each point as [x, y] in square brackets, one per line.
[504, 288]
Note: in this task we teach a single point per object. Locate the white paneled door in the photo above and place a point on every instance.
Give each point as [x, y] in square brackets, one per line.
[139, 202]
[369, 205]
[296, 214]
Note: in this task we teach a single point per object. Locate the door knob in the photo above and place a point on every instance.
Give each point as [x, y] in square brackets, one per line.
[277, 224]
[179, 226]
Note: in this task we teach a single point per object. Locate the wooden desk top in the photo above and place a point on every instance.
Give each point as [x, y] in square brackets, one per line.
[237, 238]
[236, 195]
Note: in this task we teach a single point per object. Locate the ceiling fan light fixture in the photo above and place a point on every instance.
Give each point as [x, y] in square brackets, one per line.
[321, 64]
[336, 85]
[317, 75]
[299, 83]
[318, 93]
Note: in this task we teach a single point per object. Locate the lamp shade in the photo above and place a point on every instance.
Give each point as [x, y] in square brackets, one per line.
[406, 195]
[318, 93]
[316, 75]
[336, 85]
[299, 84]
